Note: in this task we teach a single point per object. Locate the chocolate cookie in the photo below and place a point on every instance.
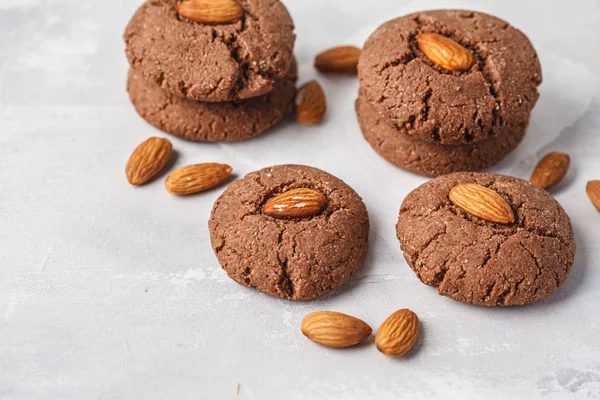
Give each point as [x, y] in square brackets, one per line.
[429, 103]
[297, 258]
[210, 122]
[211, 62]
[431, 159]
[480, 262]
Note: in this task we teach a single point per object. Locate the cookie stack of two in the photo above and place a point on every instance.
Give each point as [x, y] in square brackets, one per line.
[446, 91]
[211, 70]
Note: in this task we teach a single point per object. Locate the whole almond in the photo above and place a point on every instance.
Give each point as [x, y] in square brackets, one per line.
[445, 52]
[334, 329]
[550, 170]
[342, 59]
[212, 12]
[148, 159]
[310, 103]
[398, 333]
[593, 191]
[296, 203]
[196, 178]
[482, 202]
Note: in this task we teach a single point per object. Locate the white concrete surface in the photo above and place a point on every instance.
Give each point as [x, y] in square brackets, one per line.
[112, 292]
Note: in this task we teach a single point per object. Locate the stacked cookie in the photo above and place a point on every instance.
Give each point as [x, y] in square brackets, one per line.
[447, 90]
[218, 70]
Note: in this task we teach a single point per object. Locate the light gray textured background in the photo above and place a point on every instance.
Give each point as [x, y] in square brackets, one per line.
[112, 292]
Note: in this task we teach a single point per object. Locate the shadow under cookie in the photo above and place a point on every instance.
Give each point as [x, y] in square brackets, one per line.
[210, 122]
[432, 159]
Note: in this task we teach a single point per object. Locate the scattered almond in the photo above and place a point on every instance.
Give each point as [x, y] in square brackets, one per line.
[148, 159]
[212, 12]
[342, 59]
[593, 192]
[550, 170]
[398, 333]
[482, 202]
[445, 52]
[310, 103]
[196, 178]
[334, 329]
[296, 203]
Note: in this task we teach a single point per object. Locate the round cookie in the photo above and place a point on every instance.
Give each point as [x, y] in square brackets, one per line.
[429, 103]
[431, 159]
[210, 122]
[299, 258]
[211, 62]
[480, 262]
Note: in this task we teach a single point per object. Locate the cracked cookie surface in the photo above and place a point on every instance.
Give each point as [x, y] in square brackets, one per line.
[479, 262]
[211, 62]
[298, 258]
[421, 99]
[431, 159]
[210, 122]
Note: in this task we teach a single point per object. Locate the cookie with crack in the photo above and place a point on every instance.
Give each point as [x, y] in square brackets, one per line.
[421, 99]
[211, 62]
[210, 122]
[294, 258]
[476, 261]
[432, 159]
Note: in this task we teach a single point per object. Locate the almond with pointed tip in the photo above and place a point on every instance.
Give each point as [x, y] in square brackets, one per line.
[341, 59]
[482, 202]
[310, 103]
[445, 52]
[334, 329]
[211, 12]
[296, 203]
[398, 333]
[148, 159]
[593, 191]
[196, 178]
[551, 169]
